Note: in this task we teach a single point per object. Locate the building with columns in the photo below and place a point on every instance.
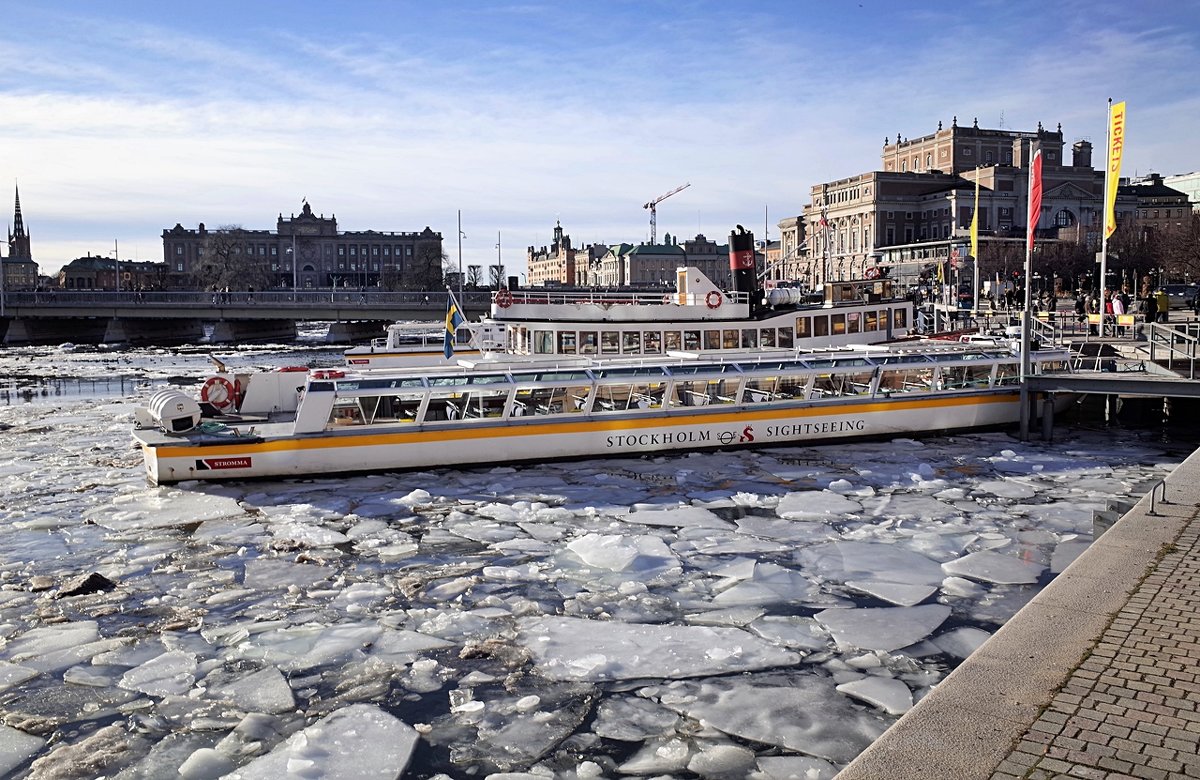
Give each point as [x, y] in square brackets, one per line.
[916, 210]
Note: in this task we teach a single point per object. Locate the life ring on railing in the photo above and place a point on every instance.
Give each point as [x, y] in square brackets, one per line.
[219, 392]
[328, 374]
[713, 299]
[285, 369]
[504, 299]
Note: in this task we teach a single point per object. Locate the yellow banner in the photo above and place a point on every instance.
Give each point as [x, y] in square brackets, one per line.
[1116, 145]
[975, 221]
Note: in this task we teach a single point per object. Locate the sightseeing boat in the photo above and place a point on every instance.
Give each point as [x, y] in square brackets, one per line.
[697, 316]
[511, 409]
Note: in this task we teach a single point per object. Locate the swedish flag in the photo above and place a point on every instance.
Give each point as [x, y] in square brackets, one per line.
[453, 320]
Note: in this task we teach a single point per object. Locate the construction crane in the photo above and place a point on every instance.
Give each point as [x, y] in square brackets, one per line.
[652, 205]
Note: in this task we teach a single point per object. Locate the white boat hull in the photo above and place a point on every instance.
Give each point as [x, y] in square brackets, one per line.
[459, 443]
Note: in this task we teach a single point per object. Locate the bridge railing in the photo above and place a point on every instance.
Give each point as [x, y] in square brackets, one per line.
[433, 299]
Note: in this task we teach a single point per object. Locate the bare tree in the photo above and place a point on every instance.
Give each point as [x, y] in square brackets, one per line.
[227, 261]
[474, 275]
[496, 275]
[428, 269]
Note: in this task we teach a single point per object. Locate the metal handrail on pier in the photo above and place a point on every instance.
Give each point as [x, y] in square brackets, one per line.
[1180, 341]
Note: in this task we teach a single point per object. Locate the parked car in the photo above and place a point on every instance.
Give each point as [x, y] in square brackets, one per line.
[1181, 296]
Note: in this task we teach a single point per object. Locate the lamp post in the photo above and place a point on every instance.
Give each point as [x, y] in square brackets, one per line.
[460, 271]
[295, 264]
[117, 265]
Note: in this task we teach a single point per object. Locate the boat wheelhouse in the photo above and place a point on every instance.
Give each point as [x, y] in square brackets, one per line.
[508, 410]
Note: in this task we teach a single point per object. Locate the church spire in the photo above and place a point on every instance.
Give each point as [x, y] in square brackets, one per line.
[18, 223]
[18, 239]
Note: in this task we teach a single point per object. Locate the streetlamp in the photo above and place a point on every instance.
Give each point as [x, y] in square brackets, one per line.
[461, 236]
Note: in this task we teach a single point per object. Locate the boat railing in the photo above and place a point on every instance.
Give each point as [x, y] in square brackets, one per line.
[1175, 343]
[605, 298]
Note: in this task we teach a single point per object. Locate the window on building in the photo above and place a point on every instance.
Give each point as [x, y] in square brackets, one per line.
[903, 166]
[353, 251]
[987, 157]
[179, 249]
[341, 251]
[929, 160]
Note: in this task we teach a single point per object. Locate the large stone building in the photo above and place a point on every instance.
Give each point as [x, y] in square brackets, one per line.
[562, 264]
[1188, 184]
[18, 271]
[1160, 208]
[95, 273]
[917, 209]
[308, 251]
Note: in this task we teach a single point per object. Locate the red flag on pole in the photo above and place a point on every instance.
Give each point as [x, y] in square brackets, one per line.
[1035, 195]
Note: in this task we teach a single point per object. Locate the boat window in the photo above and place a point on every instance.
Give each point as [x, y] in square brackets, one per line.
[749, 338]
[767, 337]
[837, 324]
[587, 342]
[712, 339]
[652, 342]
[842, 384]
[906, 380]
[372, 384]
[631, 342]
[853, 322]
[844, 362]
[870, 321]
[820, 325]
[609, 373]
[961, 377]
[672, 341]
[803, 327]
[566, 399]
[346, 411]
[628, 396]
[703, 392]
[760, 389]
[691, 340]
[883, 319]
[484, 402]
[785, 338]
[610, 342]
[730, 339]
[899, 318]
[543, 342]
[399, 408]
[521, 346]
[1047, 366]
[1008, 374]
[566, 342]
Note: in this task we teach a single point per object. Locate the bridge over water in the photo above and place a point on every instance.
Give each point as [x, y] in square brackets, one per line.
[184, 317]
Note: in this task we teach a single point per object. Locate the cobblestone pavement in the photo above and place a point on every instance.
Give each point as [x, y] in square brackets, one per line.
[1132, 708]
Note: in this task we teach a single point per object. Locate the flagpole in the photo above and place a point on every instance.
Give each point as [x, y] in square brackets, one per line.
[1104, 216]
[1026, 320]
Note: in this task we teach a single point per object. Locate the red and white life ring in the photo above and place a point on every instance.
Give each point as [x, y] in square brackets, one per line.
[219, 392]
[328, 374]
[503, 299]
[713, 299]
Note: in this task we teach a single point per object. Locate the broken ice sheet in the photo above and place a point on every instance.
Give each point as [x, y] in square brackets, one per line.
[798, 712]
[567, 648]
[882, 628]
[355, 743]
[888, 694]
[988, 566]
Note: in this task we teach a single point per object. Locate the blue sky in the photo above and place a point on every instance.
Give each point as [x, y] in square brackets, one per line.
[121, 119]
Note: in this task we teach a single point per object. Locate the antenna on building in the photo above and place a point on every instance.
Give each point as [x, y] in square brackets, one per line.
[1002, 119]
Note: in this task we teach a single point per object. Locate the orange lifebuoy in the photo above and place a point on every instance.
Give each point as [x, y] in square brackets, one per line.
[219, 392]
[713, 299]
[503, 299]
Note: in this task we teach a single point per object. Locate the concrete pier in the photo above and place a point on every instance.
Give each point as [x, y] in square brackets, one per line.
[1095, 678]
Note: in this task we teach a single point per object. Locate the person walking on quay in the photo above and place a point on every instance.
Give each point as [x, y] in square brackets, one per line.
[1118, 310]
[250, 293]
[1150, 307]
[1164, 305]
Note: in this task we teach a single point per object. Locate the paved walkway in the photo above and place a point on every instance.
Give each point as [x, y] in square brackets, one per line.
[1097, 677]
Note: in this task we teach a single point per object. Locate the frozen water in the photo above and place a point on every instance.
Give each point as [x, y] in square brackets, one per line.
[644, 615]
[882, 628]
[355, 743]
[987, 566]
[890, 695]
[574, 649]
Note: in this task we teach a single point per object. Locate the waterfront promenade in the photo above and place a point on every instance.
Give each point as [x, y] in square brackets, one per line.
[1097, 677]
